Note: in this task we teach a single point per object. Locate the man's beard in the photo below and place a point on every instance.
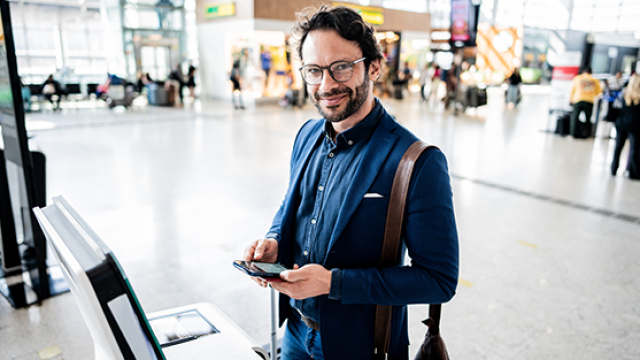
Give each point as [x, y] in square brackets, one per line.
[353, 105]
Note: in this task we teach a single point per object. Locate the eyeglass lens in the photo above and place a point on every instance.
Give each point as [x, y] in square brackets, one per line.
[340, 72]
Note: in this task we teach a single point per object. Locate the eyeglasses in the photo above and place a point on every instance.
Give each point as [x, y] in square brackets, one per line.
[340, 71]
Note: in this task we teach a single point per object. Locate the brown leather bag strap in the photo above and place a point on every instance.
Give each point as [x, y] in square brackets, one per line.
[392, 236]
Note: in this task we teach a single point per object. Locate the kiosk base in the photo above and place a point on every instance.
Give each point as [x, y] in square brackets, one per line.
[18, 288]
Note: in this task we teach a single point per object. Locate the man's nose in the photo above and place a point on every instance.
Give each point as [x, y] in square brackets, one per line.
[327, 82]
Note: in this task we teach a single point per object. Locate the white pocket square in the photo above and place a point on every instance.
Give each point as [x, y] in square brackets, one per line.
[372, 196]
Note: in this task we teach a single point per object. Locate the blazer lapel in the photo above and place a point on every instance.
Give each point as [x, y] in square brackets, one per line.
[377, 151]
[293, 197]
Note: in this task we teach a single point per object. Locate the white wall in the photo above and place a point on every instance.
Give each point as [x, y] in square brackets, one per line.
[215, 55]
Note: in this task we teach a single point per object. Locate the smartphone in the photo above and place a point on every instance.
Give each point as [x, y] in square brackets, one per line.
[267, 271]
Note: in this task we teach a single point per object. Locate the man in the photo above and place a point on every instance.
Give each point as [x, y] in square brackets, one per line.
[330, 227]
[616, 82]
[583, 93]
[176, 75]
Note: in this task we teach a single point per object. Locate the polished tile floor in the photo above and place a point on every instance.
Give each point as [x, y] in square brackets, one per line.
[549, 239]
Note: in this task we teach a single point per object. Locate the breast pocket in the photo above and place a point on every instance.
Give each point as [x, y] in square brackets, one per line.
[362, 237]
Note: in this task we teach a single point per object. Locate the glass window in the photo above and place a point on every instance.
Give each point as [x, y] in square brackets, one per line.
[582, 24]
[600, 63]
[628, 23]
[74, 40]
[43, 64]
[629, 10]
[78, 62]
[96, 45]
[23, 64]
[19, 39]
[99, 65]
[609, 3]
[176, 20]
[628, 63]
[582, 12]
[604, 23]
[41, 40]
[606, 11]
[149, 19]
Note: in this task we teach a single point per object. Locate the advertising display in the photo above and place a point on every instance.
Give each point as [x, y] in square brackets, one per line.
[372, 15]
[565, 67]
[460, 18]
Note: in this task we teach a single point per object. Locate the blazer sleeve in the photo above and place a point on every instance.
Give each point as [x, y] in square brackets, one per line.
[431, 239]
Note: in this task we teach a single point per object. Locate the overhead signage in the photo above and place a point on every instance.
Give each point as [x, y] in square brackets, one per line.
[371, 15]
[460, 16]
[215, 11]
[566, 73]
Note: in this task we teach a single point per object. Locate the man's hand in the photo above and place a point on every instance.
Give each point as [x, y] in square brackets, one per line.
[263, 250]
[302, 283]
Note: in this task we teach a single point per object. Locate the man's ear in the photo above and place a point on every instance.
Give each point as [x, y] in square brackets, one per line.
[375, 69]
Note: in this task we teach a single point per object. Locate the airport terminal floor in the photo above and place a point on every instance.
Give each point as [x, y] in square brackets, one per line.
[549, 240]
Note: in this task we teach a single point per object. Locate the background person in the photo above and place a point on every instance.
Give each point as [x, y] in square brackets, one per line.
[425, 80]
[191, 81]
[435, 81]
[451, 80]
[176, 76]
[628, 126]
[236, 95]
[616, 82]
[514, 87]
[49, 88]
[330, 227]
[584, 90]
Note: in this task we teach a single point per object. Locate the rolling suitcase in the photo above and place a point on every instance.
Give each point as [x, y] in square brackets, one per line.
[583, 130]
[563, 123]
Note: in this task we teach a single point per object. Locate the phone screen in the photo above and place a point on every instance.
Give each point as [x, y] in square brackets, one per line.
[259, 268]
[270, 268]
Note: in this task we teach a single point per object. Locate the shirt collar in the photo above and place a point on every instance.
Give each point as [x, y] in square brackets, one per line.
[358, 131]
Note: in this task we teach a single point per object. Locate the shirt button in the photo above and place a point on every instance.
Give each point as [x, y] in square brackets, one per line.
[350, 142]
[331, 155]
[306, 253]
[313, 221]
[320, 187]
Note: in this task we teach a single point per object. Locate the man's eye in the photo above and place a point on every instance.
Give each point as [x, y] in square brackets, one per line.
[339, 67]
[313, 71]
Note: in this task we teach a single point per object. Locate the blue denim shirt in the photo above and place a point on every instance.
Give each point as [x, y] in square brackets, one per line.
[324, 184]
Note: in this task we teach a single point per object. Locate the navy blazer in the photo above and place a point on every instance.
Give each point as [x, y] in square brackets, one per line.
[429, 235]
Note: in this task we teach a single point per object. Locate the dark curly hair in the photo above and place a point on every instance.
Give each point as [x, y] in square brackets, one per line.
[345, 21]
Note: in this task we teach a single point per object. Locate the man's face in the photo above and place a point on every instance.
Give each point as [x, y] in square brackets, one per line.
[337, 101]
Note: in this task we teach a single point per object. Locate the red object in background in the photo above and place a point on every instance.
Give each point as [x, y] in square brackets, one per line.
[565, 72]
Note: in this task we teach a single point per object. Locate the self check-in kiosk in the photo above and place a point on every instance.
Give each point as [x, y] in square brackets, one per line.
[119, 327]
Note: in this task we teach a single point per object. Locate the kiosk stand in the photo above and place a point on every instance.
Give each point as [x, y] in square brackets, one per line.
[25, 278]
[119, 327]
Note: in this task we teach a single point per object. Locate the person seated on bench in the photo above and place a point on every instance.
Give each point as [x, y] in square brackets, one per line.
[49, 88]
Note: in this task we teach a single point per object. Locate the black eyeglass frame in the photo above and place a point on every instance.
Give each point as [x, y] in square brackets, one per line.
[328, 68]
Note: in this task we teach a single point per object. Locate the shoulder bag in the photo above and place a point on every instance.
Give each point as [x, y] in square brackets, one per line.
[432, 347]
